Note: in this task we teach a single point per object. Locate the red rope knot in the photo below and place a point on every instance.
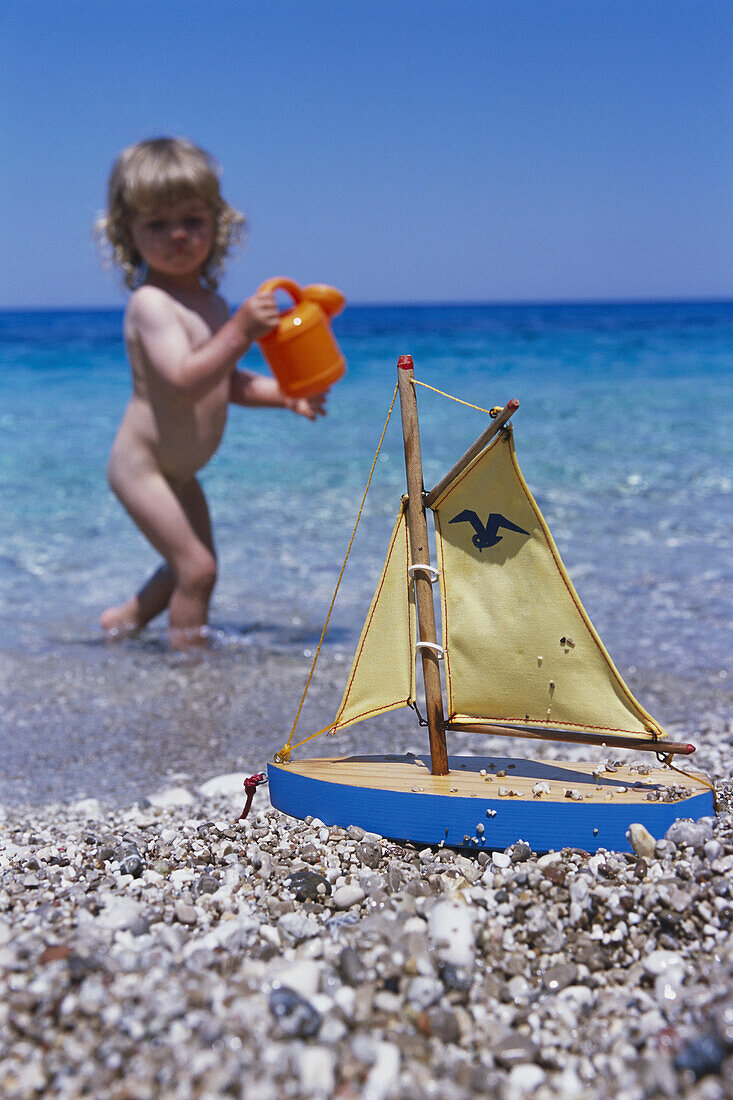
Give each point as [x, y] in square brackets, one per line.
[250, 786]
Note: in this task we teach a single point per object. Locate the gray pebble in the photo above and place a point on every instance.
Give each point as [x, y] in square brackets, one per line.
[514, 1050]
[186, 914]
[294, 1015]
[369, 853]
[691, 833]
[351, 968]
[308, 886]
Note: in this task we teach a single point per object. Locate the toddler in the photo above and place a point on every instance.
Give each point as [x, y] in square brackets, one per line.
[170, 231]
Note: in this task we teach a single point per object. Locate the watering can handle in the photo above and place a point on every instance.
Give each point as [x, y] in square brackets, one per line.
[282, 283]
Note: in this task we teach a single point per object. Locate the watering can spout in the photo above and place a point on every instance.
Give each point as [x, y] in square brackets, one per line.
[301, 351]
[328, 298]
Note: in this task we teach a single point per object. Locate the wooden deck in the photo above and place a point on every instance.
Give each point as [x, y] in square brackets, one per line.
[510, 778]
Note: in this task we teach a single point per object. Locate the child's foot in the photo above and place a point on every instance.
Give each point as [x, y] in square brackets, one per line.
[119, 622]
[189, 637]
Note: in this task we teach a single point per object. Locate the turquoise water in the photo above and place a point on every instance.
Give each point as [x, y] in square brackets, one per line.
[624, 433]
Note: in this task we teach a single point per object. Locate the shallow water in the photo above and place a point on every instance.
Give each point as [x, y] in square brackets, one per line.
[624, 435]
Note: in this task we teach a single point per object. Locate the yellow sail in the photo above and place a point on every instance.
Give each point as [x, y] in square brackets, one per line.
[382, 675]
[519, 646]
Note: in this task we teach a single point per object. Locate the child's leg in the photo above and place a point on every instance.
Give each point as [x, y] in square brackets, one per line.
[154, 596]
[176, 522]
[196, 508]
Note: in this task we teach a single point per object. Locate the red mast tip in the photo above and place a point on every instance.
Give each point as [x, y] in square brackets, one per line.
[405, 362]
[513, 404]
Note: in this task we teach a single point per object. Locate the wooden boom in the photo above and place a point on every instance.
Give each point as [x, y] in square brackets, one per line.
[611, 741]
[476, 448]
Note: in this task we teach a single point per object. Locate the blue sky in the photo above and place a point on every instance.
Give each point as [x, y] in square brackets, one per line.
[403, 150]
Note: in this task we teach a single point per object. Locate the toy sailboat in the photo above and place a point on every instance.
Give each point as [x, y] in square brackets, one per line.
[520, 658]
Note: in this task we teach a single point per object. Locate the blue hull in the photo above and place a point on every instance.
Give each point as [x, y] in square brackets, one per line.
[476, 822]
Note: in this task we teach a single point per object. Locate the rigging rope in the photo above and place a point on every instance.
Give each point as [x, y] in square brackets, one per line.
[489, 412]
[666, 761]
[284, 753]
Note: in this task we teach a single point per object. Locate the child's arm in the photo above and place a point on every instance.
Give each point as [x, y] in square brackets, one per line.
[248, 388]
[154, 321]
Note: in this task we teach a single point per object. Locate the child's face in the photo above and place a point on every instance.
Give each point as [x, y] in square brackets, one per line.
[174, 241]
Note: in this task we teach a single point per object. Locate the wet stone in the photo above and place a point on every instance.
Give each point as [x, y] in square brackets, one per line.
[308, 886]
[186, 914]
[129, 858]
[693, 834]
[106, 851]
[560, 977]
[514, 1050]
[350, 966]
[439, 1022]
[457, 978]
[207, 884]
[295, 1016]
[79, 966]
[520, 851]
[702, 1055]
[369, 853]
[555, 873]
[724, 1022]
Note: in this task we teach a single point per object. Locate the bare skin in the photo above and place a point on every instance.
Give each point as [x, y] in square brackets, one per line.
[183, 348]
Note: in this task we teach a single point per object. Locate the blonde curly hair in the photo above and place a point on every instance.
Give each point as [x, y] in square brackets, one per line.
[160, 172]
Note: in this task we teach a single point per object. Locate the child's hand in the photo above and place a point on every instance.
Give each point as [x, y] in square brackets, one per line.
[259, 315]
[310, 407]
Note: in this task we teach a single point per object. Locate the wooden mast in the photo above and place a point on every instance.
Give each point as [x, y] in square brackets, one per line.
[421, 556]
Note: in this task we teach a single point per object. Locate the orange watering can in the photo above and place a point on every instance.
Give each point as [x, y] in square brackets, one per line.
[301, 351]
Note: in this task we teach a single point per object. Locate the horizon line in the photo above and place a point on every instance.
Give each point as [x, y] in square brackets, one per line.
[426, 303]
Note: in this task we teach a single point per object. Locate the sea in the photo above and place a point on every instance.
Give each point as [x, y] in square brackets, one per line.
[624, 434]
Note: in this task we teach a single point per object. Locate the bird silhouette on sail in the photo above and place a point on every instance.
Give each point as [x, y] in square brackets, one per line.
[487, 534]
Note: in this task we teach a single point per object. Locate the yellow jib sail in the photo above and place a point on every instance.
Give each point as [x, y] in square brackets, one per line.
[519, 645]
[382, 675]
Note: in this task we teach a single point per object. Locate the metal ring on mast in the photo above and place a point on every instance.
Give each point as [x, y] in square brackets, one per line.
[431, 571]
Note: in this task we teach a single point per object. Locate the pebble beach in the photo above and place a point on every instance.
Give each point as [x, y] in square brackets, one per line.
[167, 951]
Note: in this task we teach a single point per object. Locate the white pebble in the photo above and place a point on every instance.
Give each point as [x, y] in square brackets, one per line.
[88, 808]
[384, 1073]
[302, 975]
[299, 926]
[424, 991]
[450, 929]
[171, 797]
[348, 895]
[118, 914]
[658, 962]
[525, 1079]
[316, 1069]
[223, 785]
[641, 840]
